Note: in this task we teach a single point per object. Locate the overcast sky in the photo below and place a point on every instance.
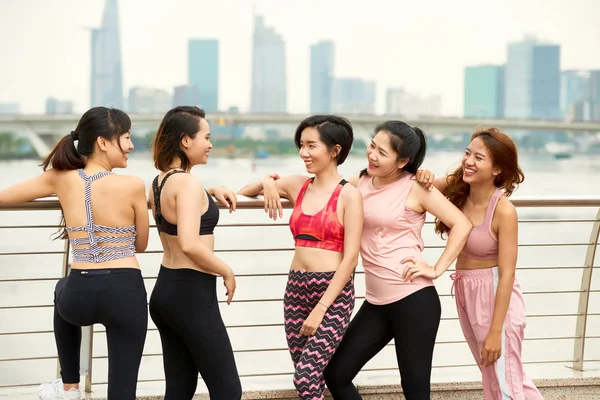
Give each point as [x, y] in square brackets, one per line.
[422, 45]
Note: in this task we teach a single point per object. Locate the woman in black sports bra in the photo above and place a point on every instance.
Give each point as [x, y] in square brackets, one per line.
[183, 304]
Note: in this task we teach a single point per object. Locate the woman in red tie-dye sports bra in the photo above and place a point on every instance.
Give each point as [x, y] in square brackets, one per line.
[326, 225]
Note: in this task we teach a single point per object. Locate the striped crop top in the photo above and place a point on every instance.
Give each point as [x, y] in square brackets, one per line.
[322, 230]
[114, 243]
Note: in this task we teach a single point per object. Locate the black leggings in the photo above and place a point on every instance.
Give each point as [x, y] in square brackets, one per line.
[184, 307]
[115, 298]
[413, 324]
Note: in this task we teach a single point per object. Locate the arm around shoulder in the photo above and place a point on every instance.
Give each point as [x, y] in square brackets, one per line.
[435, 203]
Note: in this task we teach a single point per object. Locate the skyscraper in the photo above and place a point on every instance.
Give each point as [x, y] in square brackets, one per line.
[269, 79]
[106, 76]
[532, 80]
[55, 106]
[203, 71]
[575, 95]
[186, 95]
[408, 105]
[352, 96]
[321, 76]
[595, 95]
[484, 91]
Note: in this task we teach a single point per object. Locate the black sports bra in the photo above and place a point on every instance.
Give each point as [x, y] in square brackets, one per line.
[208, 221]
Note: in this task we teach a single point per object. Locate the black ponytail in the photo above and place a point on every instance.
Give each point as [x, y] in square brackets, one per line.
[64, 156]
[415, 161]
[71, 151]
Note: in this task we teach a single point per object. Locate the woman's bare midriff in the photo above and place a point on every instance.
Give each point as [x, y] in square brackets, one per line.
[311, 259]
[129, 262]
[174, 258]
[464, 263]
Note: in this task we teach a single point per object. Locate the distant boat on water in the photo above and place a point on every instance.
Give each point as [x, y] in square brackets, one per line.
[561, 149]
[261, 154]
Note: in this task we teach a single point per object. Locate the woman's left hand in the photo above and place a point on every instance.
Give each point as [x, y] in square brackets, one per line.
[491, 349]
[226, 197]
[312, 323]
[416, 268]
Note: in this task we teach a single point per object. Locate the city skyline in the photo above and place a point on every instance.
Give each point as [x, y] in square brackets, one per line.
[434, 67]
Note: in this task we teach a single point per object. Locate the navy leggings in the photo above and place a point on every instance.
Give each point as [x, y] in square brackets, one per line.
[115, 298]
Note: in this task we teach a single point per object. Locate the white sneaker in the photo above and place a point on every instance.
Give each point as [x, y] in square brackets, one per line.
[56, 391]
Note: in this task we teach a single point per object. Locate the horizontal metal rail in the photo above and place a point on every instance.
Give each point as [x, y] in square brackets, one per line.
[581, 315]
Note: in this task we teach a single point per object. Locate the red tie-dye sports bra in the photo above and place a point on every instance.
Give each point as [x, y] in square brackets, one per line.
[322, 230]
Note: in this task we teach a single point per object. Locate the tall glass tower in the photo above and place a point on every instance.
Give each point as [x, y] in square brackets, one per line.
[106, 75]
[203, 71]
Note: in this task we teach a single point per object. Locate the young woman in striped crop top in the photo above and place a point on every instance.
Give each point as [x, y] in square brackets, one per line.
[488, 297]
[106, 220]
[183, 304]
[326, 225]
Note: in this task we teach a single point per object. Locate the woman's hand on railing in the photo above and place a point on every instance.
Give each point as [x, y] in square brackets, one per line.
[271, 196]
[225, 196]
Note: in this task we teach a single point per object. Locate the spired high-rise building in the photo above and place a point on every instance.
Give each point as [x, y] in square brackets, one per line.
[269, 79]
[106, 75]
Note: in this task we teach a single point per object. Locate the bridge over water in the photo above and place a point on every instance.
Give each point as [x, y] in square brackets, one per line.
[44, 130]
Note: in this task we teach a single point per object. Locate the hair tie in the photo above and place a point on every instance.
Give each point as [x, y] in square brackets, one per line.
[74, 136]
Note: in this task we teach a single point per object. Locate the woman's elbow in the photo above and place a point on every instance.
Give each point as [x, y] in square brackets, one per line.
[141, 247]
[352, 262]
[466, 225]
[247, 191]
[187, 246]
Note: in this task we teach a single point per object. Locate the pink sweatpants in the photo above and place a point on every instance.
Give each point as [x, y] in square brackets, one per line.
[475, 292]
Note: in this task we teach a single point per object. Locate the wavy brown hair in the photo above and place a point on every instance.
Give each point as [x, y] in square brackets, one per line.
[504, 155]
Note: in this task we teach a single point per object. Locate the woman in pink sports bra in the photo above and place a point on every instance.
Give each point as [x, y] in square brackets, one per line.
[488, 297]
[326, 225]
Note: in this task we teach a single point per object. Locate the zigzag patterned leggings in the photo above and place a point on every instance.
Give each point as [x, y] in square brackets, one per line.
[312, 354]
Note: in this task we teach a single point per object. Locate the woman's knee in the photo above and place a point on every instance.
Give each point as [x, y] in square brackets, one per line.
[231, 391]
[336, 377]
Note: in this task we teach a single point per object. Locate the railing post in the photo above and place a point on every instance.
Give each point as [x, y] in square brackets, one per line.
[64, 272]
[584, 297]
[87, 348]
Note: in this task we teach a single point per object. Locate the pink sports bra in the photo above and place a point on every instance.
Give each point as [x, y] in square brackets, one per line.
[481, 243]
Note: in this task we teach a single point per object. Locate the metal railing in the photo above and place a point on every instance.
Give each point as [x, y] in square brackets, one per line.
[580, 318]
